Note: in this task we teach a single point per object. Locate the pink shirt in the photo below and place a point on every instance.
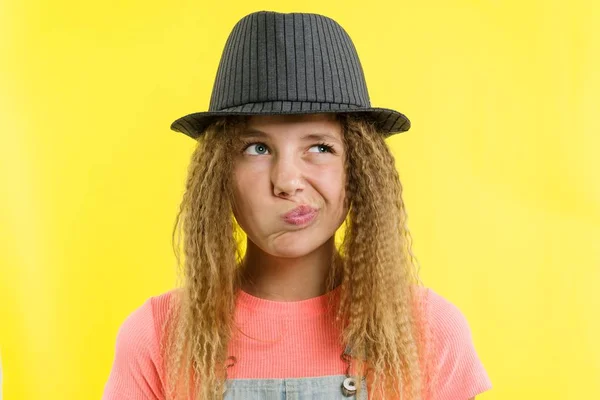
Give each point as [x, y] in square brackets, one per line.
[299, 330]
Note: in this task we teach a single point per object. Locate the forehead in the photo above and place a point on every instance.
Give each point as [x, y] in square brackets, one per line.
[324, 123]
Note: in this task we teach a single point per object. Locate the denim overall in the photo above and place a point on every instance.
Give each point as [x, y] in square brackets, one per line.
[314, 388]
[331, 387]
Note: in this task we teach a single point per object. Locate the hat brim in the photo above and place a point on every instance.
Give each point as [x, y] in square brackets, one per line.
[387, 121]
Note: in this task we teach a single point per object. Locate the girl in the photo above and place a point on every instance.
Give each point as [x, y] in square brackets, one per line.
[289, 152]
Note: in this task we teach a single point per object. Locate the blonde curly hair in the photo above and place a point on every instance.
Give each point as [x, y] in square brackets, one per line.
[379, 312]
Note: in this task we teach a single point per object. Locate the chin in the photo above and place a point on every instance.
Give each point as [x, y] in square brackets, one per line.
[294, 247]
[293, 251]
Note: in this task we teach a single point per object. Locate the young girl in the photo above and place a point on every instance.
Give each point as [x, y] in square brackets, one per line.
[290, 151]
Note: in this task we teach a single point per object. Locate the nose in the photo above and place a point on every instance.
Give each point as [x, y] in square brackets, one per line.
[286, 177]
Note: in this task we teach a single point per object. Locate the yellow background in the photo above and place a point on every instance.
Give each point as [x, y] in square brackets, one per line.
[500, 170]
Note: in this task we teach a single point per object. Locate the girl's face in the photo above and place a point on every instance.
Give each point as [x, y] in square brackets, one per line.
[289, 182]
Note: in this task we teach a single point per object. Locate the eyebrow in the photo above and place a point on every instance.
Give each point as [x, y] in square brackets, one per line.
[253, 132]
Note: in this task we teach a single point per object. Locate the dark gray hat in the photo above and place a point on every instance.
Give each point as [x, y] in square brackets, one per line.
[289, 63]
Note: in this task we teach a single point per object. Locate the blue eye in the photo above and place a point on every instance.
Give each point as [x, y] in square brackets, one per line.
[323, 148]
[260, 149]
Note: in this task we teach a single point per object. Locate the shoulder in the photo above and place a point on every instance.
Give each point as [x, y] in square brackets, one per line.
[137, 369]
[161, 306]
[142, 325]
[446, 320]
[456, 371]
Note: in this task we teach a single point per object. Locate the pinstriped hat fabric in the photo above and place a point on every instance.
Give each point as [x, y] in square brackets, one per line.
[289, 63]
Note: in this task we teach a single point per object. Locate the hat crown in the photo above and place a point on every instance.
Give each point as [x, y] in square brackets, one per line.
[288, 57]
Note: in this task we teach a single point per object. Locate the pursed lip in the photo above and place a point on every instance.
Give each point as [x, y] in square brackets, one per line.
[300, 215]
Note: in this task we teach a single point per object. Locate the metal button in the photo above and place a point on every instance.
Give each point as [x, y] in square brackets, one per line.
[349, 387]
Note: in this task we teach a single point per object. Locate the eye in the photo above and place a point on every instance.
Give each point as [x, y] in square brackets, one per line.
[322, 148]
[256, 149]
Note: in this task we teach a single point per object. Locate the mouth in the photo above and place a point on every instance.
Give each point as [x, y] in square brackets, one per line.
[301, 215]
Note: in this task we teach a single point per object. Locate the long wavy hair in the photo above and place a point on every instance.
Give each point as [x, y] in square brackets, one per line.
[380, 314]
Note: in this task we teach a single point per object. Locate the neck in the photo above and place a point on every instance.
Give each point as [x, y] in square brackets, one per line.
[287, 279]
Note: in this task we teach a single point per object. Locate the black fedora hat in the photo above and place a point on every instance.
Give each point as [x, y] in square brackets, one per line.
[289, 63]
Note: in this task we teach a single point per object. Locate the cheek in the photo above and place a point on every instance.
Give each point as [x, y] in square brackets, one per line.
[332, 184]
[246, 198]
[240, 190]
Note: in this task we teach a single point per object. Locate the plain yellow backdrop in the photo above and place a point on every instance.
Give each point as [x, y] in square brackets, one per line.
[501, 172]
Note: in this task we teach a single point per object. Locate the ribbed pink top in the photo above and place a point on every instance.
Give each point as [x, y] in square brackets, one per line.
[289, 340]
